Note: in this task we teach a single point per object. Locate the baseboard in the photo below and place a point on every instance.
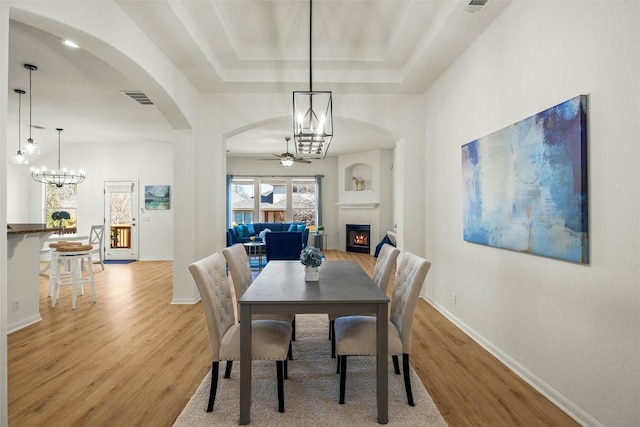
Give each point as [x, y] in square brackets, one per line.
[186, 301]
[556, 398]
[23, 323]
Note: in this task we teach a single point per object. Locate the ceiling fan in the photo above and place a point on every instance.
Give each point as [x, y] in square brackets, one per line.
[287, 159]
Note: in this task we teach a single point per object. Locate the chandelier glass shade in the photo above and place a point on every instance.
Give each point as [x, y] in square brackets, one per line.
[19, 158]
[31, 149]
[312, 114]
[58, 177]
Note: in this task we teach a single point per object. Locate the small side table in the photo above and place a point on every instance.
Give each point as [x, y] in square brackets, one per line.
[255, 249]
[320, 241]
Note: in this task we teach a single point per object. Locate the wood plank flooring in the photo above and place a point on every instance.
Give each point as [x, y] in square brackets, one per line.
[132, 358]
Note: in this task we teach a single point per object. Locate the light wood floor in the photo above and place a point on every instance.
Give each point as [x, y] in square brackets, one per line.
[134, 359]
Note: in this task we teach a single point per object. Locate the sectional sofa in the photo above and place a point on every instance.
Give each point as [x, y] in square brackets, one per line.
[242, 233]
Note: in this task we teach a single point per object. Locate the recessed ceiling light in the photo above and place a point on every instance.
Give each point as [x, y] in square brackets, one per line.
[69, 43]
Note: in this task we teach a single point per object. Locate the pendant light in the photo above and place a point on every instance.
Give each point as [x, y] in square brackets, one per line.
[312, 114]
[31, 149]
[60, 176]
[19, 158]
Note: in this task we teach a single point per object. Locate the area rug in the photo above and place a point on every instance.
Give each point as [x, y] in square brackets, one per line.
[311, 392]
[119, 261]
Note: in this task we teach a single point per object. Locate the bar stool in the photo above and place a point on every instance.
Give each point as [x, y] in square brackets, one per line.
[70, 258]
[53, 267]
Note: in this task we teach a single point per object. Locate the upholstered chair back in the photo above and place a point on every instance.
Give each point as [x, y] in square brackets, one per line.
[384, 265]
[410, 275]
[210, 275]
[239, 268]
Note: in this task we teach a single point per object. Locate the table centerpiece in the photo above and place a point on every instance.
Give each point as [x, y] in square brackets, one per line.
[311, 258]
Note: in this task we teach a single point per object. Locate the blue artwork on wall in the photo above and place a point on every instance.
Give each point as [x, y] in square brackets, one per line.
[525, 186]
[157, 197]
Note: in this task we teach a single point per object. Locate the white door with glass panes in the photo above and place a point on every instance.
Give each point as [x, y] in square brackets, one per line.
[121, 212]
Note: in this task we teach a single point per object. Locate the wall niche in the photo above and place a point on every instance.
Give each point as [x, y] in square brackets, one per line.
[358, 177]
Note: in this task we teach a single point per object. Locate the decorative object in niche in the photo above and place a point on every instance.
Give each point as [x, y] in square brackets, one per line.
[525, 186]
[359, 183]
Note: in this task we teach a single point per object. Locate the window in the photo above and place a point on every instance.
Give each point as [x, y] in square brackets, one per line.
[304, 200]
[242, 200]
[61, 199]
[274, 199]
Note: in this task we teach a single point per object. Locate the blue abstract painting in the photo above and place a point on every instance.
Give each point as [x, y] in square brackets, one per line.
[525, 186]
[157, 197]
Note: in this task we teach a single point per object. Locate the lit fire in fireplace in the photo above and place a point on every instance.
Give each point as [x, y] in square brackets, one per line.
[360, 239]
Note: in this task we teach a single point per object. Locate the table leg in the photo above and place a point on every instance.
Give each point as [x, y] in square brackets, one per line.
[382, 354]
[245, 364]
[260, 258]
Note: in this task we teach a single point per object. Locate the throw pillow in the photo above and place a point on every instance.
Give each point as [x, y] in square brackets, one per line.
[263, 232]
[292, 227]
[301, 227]
[251, 229]
[239, 230]
[245, 230]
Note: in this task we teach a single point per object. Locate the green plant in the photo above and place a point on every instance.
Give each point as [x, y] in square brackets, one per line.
[311, 256]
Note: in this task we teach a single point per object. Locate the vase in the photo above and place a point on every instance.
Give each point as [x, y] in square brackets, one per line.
[311, 274]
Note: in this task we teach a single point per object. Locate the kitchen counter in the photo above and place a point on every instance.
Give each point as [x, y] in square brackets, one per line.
[24, 242]
[28, 228]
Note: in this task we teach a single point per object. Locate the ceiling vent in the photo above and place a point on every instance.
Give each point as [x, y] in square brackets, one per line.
[138, 96]
[476, 5]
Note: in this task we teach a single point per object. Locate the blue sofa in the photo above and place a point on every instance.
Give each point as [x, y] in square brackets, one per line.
[242, 233]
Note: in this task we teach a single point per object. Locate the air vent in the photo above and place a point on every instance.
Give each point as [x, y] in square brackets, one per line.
[476, 5]
[138, 96]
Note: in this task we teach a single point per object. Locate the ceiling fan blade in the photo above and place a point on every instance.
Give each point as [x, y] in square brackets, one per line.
[301, 161]
[270, 159]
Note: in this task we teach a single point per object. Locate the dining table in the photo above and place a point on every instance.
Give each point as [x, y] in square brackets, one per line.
[55, 238]
[343, 288]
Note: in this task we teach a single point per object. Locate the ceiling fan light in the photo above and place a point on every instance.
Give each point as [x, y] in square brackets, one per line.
[286, 162]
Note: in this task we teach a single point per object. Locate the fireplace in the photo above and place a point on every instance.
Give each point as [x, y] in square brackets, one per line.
[358, 237]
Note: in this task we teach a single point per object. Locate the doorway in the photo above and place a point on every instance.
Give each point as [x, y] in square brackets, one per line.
[121, 207]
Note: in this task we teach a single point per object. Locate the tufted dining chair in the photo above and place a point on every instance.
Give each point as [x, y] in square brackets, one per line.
[356, 335]
[240, 270]
[381, 275]
[270, 339]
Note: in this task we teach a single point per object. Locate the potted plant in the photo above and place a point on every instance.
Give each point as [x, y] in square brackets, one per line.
[59, 216]
[320, 229]
[311, 258]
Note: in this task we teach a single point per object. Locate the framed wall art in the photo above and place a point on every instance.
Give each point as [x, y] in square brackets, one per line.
[157, 197]
[525, 186]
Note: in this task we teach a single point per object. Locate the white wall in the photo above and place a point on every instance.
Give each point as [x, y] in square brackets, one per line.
[571, 330]
[17, 203]
[147, 163]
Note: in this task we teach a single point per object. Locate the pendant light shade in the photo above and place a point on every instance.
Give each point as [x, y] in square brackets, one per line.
[31, 149]
[19, 158]
[58, 177]
[312, 114]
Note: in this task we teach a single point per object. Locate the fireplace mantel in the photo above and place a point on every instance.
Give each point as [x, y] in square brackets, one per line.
[358, 205]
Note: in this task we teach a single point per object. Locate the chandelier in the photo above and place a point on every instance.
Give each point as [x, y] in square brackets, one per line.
[31, 149]
[19, 158]
[60, 176]
[312, 114]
